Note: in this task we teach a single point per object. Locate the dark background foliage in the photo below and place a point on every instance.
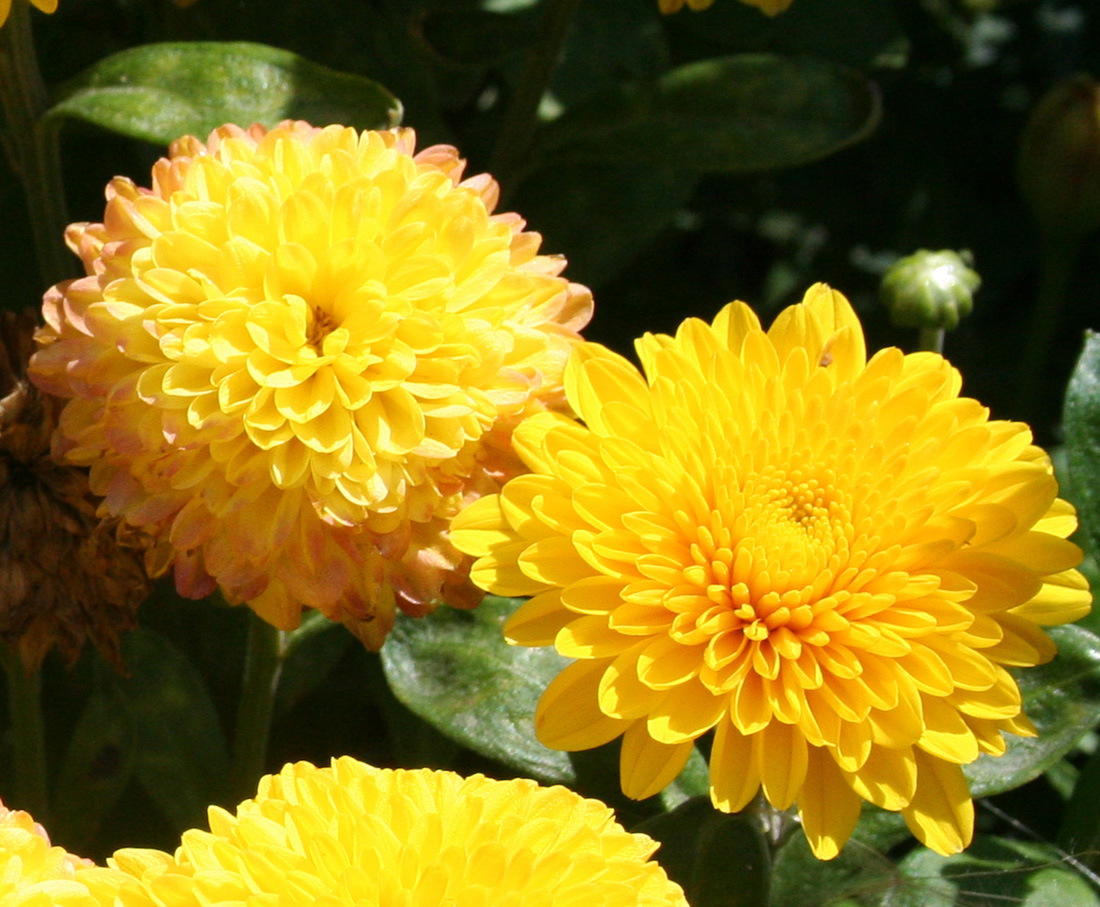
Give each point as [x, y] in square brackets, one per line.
[667, 219]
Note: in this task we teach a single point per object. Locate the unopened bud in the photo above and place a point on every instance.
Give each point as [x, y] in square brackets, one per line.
[930, 289]
[1059, 167]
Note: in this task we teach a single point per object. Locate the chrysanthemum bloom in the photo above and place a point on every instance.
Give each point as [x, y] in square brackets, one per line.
[296, 356]
[354, 834]
[827, 561]
[64, 575]
[771, 7]
[47, 6]
[34, 874]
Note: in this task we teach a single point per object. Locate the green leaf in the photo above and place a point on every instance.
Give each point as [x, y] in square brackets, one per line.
[734, 114]
[1062, 699]
[718, 859]
[97, 767]
[853, 32]
[581, 210]
[1081, 423]
[159, 92]
[454, 669]
[858, 875]
[179, 748]
[1080, 831]
[992, 871]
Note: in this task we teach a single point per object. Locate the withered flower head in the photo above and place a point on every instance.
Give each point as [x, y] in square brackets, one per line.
[64, 575]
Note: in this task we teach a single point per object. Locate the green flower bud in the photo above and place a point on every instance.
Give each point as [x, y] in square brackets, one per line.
[1059, 166]
[930, 289]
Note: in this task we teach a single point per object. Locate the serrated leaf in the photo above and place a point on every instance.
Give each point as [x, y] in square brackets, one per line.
[719, 860]
[159, 92]
[179, 748]
[1081, 423]
[454, 669]
[741, 113]
[1062, 699]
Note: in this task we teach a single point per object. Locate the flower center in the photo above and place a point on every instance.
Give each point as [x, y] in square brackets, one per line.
[320, 326]
[765, 571]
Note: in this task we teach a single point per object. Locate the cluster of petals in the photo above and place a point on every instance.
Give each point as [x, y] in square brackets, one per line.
[35, 874]
[827, 561]
[771, 7]
[296, 356]
[353, 834]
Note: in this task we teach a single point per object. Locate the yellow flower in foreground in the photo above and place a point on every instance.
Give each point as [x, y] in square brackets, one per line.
[771, 7]
[827, 561]
[34, 874]
[47, 6]
[296, 356]
[354, 834]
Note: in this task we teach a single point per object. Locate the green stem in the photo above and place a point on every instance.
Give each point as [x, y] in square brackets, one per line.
[262, 665]
[931, 340]
[521, 120]
[29, 788]
[31, 146]
[1059, 254]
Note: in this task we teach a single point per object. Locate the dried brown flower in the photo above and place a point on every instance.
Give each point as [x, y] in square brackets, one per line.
[65, 576]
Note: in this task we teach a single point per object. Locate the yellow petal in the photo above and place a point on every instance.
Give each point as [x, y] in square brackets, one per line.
[647, 766]
[568, 716]
[828, 808]
[941, 813]
[734, 769]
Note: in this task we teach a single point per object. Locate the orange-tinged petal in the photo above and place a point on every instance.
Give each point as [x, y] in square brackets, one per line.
[648, 766]
[941, 813]
[316, 311]
[827, 559]
[828, 808]
[568, 715]
[734, 769]
[781, 777]
[537, 622]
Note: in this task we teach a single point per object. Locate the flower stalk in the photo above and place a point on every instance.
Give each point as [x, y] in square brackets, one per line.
[30, 788]
[521, 120]
[264, 656]
[1059, 253]
[32, 147]
[931, 340]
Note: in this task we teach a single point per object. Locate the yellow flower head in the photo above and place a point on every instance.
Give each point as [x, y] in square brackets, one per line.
[47, 6]
[34, 874]
[827, 561]
[354, 834]
[296, 356]
[771, 7]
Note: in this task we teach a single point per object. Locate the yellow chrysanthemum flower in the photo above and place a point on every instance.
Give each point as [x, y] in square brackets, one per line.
[47, 6]
[34, 874]
[354, 834]
[771, 7]
[827, 561]
[296, 356]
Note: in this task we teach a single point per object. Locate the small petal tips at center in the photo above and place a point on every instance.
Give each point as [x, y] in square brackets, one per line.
[826, 561]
